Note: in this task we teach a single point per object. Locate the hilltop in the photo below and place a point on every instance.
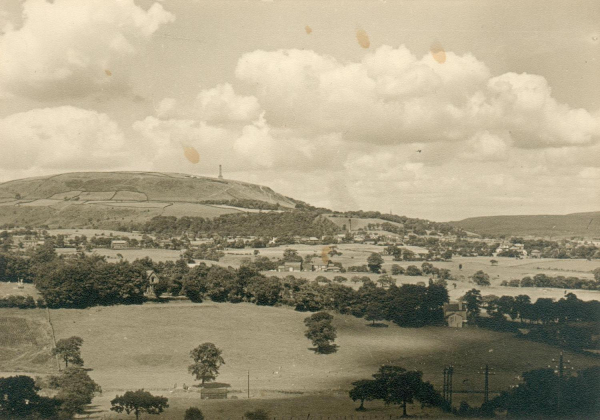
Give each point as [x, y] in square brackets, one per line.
[107, 198]
[555, 226]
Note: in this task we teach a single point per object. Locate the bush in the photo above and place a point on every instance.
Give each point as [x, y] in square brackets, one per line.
[413, 270]
[193, 413]
[258, 414]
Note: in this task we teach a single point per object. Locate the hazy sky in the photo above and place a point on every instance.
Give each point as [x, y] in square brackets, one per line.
[432, 109]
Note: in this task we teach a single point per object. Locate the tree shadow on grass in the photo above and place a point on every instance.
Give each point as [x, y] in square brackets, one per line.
[377, 325]
[330, 349]
[93, 412]
[212, 385]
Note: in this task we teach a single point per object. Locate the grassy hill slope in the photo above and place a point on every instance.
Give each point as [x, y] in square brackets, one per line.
[107, 198]
[147, 346]
[575, 224]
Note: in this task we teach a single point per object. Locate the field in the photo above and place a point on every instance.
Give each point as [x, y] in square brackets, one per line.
[507, 269]
[25, 342]
[146, 346]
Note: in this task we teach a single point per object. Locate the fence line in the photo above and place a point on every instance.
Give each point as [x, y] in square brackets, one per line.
[53, 336]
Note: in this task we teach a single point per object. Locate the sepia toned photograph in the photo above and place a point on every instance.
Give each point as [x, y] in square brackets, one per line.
[299, 209]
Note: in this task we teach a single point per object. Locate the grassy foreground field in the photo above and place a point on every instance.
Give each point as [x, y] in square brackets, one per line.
[147, 346]
[25, 342]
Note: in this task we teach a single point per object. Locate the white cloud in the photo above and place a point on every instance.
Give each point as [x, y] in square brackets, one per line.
[60, 139]
[221, 104]
[393, 97]
[70, 48]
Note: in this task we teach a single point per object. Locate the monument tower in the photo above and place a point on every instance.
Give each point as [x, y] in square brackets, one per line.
[220, 173]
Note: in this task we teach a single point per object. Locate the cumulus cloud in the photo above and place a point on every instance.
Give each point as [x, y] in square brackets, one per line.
[391, 96]
[221, 104]
[60, 139]
[69, 48]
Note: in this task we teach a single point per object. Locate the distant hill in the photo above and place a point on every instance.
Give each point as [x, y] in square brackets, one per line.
[556, 226]
[105, 199]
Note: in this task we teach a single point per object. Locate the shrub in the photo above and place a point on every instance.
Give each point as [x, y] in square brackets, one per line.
[193, 413]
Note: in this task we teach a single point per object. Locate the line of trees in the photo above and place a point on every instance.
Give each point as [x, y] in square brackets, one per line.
[270, 224]
[568, 322]
[562, 282]
[545, 393]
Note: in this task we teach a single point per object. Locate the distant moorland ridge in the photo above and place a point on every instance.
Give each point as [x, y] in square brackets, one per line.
[86, 198]
[556, 226]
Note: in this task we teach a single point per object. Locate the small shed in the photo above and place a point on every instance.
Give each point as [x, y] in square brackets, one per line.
[213, 394]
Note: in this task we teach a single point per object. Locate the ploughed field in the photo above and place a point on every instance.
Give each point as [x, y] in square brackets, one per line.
[147, 346]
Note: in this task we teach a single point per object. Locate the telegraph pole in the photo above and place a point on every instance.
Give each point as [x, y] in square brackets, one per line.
[445, 388]
[560, 369]
[486, 389]
[248, 384]
[560, 379]
[450, 373]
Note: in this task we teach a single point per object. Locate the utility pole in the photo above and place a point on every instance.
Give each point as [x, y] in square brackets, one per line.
[560, 369]
[447, 390]
[486, 388]
[444, 391]
[450, 373]
[248, 384]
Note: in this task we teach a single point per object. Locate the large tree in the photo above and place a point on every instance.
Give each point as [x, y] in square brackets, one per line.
[375, 261]
[207, 361]
[139, 401]
[481, 279]
[364, 390]
[69, 350]
[321, 332]
[396, 385]
[19, 399]
[473, 300]
[75, 390]
[375, 312]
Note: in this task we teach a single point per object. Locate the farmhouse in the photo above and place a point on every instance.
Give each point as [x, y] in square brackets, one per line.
[290, 266]
[535, 254]
[153, 280]
[455, 314]
[118, 244]
[319, 265]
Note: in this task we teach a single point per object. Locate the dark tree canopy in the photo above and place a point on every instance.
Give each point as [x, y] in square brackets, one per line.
[193, 413]
[375, 261]
[19, 399]
[538, 395]
[69, 349]
[396, 385]
[138, 402]
[207, 361]
[75, 390]
[481, 278]
[321, 332]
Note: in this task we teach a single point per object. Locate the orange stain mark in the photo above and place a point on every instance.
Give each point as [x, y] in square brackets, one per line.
[108, 72]
[363, 38]
[325, 254]
[438, 53]
[308, 29]
[191, 154]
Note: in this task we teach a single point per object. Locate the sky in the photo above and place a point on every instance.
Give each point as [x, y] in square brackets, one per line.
[432, 109]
